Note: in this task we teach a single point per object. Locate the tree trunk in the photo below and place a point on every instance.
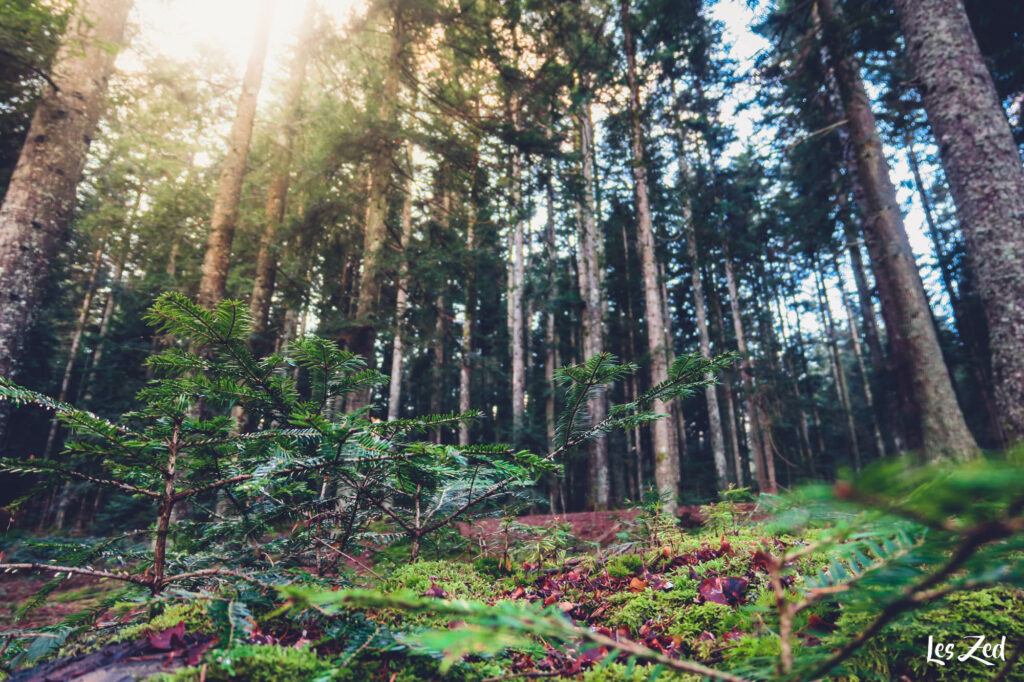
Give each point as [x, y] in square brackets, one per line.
[885, 416]
[379, 181]
[869, 398]
[985, 176]
[590, 292]
[277, 191]
[41, 192]
[710, 391]
[753, 421]
[440, 331]
[516, 280]
[109, 307]
[838, 371]
[229, 187]
[717, 327]
[666, 471]
[944, 431]
[76, 341]
[402, 298]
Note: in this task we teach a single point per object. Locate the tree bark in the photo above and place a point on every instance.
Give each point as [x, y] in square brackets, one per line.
[718, 328]
[985, 176]
[710, 391]
[375, 233]
[280, 169]
[516, 280]
[944, 431]
[760, 470]
[401, 298]
[869, 398]
[229, 187]
[838, 371]
[591, 293]
[666, 471]
[41, 192]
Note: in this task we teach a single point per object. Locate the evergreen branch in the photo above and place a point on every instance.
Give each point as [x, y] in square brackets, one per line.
[927, 588]
[39, 468]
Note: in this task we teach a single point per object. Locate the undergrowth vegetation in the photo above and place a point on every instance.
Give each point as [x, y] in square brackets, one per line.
[289, 541]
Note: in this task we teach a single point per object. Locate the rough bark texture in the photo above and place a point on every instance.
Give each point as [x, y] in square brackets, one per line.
[277, 192]
[985, 178]
[593, 306]
[229, 186]
[41, 193]
[666, 471]
[944, 431]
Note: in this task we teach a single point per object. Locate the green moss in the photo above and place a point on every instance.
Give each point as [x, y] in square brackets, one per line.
[624, 565]
[711, 617]
[900, 648]
[459, 580]
[192, 614]
[254, 663]
[617, 672]
[633, 609]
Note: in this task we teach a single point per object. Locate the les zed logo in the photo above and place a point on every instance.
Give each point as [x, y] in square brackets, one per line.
[980, 651]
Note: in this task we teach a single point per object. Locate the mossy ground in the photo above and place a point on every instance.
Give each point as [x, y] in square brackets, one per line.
[737, 637]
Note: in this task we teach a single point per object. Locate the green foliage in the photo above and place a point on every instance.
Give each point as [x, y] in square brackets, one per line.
[900, 648]
[256, 663]
[271, 468]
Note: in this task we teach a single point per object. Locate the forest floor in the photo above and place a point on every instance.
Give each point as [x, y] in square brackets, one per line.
[701, 594]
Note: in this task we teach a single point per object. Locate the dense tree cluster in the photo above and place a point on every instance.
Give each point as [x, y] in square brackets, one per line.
[471, 195]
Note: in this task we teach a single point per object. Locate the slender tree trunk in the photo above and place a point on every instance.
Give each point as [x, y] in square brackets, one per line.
[109, 306]
[76, 340]
[379, 182]
[985, 176]
[229, 188]
[666, 471]
[280, 168]
[869, 398]
[944, 431]
[402, 298]
[636, 441]
[838, 372]
[718, 329]
[753, 422]
[41, 192]
[465, 370]
[550, 338]
[593, 305]
[945, 271]
[710, 391]
[885, 415]
[516, 280]
[440, 331]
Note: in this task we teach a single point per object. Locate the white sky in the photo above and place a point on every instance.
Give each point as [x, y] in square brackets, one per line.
[181, 28]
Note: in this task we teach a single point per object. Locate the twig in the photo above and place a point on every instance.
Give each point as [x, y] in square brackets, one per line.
[95, 573]
[350, 558]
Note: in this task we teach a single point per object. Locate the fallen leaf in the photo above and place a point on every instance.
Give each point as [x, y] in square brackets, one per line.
[436, 591]
[728, 591]
[171, 638]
